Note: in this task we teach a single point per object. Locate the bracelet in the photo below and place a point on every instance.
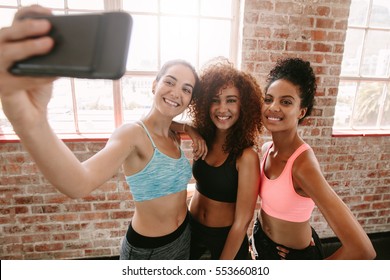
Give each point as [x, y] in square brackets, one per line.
[184, 127]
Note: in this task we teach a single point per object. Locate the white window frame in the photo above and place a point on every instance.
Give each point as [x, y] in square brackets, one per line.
[118, 111]
[360, 79]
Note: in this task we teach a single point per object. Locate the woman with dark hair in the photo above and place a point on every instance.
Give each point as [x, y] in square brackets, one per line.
[226, 113]
[149, 153]
[291, 179]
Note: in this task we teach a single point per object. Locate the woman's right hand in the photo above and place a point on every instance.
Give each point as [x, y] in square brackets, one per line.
[199, 146]
[24, 99]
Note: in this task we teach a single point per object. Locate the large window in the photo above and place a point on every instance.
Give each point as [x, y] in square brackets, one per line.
[195, 30]
[363, 102]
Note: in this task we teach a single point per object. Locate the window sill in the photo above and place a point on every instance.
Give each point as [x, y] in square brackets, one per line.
[355, 133]
[66, 137]
[73, 137]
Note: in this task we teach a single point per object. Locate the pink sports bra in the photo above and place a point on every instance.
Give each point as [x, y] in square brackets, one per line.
[278, 196]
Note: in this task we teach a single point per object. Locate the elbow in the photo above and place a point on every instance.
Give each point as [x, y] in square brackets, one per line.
[73, 194]
[369, 254]
[366, 253]
[243, 224]
[357, 251]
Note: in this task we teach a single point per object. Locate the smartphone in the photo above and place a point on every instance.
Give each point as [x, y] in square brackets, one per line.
[91, 46]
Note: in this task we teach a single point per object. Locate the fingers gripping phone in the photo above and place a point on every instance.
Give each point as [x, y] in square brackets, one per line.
[93, 46]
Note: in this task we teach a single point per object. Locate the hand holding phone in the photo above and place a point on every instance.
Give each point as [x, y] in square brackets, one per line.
[93, 46]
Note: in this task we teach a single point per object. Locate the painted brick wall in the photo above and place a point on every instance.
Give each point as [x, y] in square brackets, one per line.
[38, 222]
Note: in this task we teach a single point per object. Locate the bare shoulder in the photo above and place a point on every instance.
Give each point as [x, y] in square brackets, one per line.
[306, 161]
[249, 156]
[127, 135]
[307, 174]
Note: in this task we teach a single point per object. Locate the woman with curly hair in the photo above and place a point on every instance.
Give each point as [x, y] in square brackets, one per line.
[226, 113]
[291, 179]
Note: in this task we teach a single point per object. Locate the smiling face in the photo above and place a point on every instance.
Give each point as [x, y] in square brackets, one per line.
[282, 106]
[225, 108]
[173, 91]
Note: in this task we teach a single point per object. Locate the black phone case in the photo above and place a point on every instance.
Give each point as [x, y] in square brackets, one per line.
[93, 46]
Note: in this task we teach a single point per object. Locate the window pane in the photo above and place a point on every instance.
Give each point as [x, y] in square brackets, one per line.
[5, 125]
[60, 113]
[385, 123]
[217, 32]
[365, 113]
[143, 44]
[352, 52]
[179, 39]
[137, 97]
[6, 17]
[140, 6]
[90, 4]
[376, 57]
[380, 13]
[345, 99]
[9, 3]
[180, 7]
[358, 13]
[95, 105]
[45, 3]
[222, 8]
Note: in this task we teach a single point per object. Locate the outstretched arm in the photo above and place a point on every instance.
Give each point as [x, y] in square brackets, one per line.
[24, 101]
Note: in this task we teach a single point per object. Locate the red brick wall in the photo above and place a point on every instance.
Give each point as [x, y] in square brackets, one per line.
[38, 222]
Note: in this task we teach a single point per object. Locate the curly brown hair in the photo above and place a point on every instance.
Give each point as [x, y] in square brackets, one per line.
[217, 74]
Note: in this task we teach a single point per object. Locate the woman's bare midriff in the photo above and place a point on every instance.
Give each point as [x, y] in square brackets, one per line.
[160, 216]
[290, 234]
[211, 213]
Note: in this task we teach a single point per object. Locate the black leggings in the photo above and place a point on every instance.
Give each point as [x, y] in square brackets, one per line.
[212, 240]
[266, 248]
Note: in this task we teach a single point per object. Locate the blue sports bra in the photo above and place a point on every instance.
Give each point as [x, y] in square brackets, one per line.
[162, 175]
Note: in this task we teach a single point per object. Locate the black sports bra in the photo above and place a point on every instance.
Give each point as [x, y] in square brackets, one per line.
[217, 183]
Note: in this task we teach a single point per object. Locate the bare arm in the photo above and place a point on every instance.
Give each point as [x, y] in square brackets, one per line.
[248, 185]
[355, 243]
[198, 143]
[61, 167]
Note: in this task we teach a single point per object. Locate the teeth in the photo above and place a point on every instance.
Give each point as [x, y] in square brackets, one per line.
[222, 118]
[171, 103]
[273, 119]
